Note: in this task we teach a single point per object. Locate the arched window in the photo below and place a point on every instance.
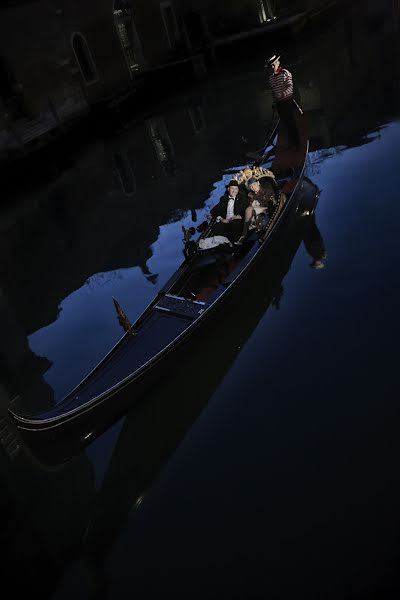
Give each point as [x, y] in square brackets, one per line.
[84, 58]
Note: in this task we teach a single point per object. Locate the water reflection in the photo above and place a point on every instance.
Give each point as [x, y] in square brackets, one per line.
[100, 216]
[152, 431]
[162, 145]
[124, 171]
[149, 434]
[314, 244]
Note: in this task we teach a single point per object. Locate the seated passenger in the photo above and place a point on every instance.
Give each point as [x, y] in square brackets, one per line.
[229, 212]
[262, 200]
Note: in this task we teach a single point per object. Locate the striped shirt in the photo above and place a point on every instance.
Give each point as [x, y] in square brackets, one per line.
[281, 85]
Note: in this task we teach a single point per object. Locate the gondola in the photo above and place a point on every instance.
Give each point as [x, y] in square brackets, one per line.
[193, 296]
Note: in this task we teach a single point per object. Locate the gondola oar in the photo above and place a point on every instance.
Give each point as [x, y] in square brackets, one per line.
[261, 154]
[123, 319]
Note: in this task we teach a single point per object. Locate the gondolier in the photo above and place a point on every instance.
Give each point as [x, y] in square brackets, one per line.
[281, 82]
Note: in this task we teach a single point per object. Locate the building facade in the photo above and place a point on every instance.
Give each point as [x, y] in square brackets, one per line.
[60, 57]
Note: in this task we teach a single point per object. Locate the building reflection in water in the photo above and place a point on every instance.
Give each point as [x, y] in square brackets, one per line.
[162, 145]
[197, 117]
[123, 171]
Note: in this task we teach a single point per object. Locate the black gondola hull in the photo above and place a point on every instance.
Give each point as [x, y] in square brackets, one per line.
[161, 338]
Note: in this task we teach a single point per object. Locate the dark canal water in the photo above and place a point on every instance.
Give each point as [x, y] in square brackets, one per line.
[266, 465]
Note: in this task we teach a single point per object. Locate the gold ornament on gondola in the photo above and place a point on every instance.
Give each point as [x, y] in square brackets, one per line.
[123, 319]
[257, 172]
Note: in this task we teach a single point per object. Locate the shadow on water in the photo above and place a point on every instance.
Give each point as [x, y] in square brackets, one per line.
[263, 283]
[149, 433]
[152, 431]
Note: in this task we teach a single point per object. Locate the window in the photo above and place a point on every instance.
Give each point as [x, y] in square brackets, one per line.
[266, 10]
[125, 29]
[162, 145]
[197, 118]
[170, 24]
[84, 58]
[11, 91]
[124, 172]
